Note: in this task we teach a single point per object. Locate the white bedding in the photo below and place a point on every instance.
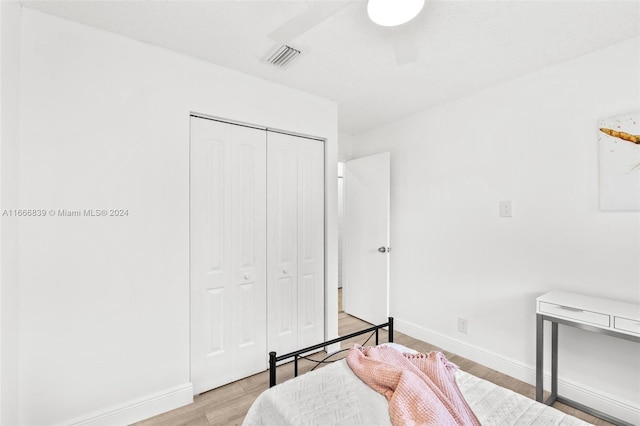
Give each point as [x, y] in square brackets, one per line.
[334, 395]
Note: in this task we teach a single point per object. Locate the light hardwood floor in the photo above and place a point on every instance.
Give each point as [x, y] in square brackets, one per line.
[229, 404]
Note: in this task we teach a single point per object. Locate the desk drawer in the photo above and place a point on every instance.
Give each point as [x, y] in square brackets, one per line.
[575, 314]
[626, 325]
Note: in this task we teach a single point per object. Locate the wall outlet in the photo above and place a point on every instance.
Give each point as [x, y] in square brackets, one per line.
[505, 208]
[463, 325]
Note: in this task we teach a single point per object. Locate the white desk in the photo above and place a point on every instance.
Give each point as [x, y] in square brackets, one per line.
[603, 316]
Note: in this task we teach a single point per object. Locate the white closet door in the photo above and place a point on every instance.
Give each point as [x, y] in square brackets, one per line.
[282, 243]
[310, 242]
[228, 260]
[295, 242]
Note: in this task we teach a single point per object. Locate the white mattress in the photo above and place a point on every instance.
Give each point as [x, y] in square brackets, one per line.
[334, 395]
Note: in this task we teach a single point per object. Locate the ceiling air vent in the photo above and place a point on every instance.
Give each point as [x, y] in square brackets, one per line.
[282, 56]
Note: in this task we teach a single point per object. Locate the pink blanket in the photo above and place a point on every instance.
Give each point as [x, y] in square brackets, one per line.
[421, 388]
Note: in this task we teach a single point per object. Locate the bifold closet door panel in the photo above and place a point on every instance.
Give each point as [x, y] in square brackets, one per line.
[228, 259]
[295, 242]
[310, 242]
[282, 243]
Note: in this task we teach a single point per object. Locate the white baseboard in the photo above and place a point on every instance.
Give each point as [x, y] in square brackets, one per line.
[139, 409]
[613, 406]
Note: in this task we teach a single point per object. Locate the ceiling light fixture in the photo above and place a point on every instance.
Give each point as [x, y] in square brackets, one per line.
[390, 13]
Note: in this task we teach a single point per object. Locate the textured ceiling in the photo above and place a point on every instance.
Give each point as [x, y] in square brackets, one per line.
[464, 46]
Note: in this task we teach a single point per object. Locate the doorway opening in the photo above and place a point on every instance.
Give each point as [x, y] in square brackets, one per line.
[340, 233]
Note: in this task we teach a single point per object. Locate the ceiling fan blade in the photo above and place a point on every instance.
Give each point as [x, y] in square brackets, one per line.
[405, 47]
[314, 14]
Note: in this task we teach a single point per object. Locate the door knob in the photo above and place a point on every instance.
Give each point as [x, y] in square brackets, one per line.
[382, 249]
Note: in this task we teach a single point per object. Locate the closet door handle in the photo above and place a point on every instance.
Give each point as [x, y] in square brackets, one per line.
[384, 249]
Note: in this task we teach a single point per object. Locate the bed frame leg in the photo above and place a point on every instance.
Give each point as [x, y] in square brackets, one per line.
[391, 329]
[272, 369]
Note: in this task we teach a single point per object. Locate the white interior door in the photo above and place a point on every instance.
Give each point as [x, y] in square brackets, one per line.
[228, 260]
[366, 238]
[310, 242]
[295, 242]
[282, 244]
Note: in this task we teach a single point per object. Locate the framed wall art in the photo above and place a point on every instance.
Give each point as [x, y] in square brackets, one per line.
[619, 162]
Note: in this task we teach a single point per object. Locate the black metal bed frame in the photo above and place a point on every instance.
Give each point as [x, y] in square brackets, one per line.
[273, 359]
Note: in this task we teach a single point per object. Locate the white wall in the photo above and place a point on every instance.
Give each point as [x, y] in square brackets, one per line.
[345, 146]
[533, 141]
[104, 313]
[9, 150]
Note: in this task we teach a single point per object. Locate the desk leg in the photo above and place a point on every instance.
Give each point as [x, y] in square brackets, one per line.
[539, 357]
[554, 360]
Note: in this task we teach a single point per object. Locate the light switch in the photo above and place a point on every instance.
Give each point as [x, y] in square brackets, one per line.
[505, 208]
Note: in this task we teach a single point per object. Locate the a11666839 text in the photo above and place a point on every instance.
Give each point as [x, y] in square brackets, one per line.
[64, 212]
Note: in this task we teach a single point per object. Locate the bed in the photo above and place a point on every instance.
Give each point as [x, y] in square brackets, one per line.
[335, 395]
